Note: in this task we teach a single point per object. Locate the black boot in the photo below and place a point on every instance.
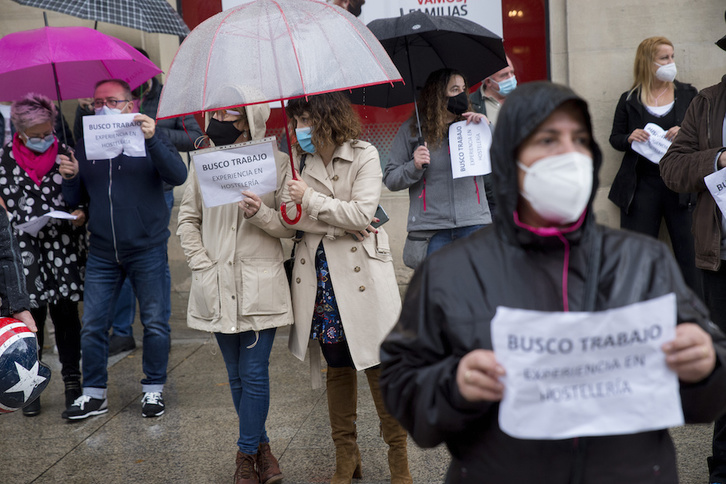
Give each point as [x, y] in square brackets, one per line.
[73, 391]
[33, 408]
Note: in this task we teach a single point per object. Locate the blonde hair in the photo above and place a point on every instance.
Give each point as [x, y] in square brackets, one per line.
[643, 69]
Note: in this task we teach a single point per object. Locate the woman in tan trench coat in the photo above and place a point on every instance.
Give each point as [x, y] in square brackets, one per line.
[239, 289]
[344, 288]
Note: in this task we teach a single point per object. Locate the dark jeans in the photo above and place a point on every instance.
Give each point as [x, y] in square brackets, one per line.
[446, 236]
[652, 202]
[123, 320]
[64, 315]
[247, 358]
[714, 292]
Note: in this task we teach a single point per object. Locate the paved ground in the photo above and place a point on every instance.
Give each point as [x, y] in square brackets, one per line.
[195, 441]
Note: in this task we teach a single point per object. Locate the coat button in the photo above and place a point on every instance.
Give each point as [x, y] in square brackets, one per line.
[335, 178]
[232, 228]
[354, 249]
[297, 280]
[362, 288]
[230, 262]
[232, 297]
[302, 261]
[356, 269]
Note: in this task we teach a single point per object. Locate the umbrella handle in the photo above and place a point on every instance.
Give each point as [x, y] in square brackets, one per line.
[283, 212]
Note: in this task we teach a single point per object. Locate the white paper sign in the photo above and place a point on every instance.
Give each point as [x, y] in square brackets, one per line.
[32, 227]
[655, 147]
[225, 171]
[110, 135]
[469, 148]
[578, 374]
[716, 184]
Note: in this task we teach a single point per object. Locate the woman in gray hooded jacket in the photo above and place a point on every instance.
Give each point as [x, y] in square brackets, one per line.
[441, 377]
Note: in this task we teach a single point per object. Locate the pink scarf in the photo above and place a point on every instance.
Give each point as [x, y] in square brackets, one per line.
[36, 165]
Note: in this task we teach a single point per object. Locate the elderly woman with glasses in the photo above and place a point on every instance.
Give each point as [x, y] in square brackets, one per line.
[54, 257]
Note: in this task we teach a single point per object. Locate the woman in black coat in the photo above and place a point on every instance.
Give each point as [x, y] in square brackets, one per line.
[443, 378]
[656, 97]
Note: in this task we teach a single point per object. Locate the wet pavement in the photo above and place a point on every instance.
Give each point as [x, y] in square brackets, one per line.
[195, 440]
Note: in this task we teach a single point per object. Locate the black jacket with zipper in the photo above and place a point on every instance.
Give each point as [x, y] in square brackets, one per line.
[454, 295]
[629, 116]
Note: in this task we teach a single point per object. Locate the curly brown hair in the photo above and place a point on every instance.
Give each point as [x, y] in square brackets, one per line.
[332, 117]
[432, 104]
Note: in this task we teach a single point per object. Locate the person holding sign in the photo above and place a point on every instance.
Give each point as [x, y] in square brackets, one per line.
[699, 152]
[441, 208]
[239, 288]
[129, 226]
[344, 290]
[441, 375]
[54, 258]
[655, 98]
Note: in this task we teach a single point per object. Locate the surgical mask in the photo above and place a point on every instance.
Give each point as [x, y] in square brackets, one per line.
[559, 187]
[458, 104]
[105, 110]
[506, 86]
[305, 139]
[666, 72]
[223, 132]
[39, 145]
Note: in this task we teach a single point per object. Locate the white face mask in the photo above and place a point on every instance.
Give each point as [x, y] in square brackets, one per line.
[666, 72]
[559, 187]
[105, 110]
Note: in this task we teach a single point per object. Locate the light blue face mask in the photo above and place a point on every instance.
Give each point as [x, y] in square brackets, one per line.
[304, 138]
[40, 145]
[105, 110]
[507, 86]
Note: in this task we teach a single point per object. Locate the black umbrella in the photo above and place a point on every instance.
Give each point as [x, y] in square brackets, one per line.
[147, 15]
[420, 44]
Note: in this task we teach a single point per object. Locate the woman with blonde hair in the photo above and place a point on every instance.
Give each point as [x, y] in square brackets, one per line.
[655, 97]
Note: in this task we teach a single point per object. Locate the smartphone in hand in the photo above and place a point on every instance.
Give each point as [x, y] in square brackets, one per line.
[382, 217]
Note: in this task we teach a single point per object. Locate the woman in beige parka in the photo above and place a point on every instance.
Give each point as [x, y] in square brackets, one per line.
[239, 289]
[344, 288]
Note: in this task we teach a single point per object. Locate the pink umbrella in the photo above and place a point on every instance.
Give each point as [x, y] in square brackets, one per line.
[67, 62]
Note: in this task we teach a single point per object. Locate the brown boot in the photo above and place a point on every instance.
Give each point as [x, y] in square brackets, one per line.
[267, 466]
[393, 434]
[246, 472]
[342, 385]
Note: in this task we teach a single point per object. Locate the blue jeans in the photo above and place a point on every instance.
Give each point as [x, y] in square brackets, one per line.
[104, 278]
[249, 380]
[447, 236]
[123, 320]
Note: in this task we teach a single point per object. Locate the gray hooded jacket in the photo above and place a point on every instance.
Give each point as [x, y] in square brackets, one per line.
[436, 200]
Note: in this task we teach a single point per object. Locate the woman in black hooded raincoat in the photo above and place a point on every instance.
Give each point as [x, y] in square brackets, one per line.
[440, 377]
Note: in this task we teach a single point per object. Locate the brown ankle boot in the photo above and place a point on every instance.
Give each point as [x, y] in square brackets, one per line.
[342, 386]
[246, 472]
[393, 434]
[267, 466]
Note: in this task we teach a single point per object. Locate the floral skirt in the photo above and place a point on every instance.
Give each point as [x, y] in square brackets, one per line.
[326, 325]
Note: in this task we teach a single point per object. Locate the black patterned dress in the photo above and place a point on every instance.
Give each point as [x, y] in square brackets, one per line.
[54, 260]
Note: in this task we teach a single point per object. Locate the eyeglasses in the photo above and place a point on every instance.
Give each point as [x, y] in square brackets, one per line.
[35, 139]
[111, 103]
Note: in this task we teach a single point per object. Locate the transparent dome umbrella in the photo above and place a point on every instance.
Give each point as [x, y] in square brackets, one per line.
[282, 49]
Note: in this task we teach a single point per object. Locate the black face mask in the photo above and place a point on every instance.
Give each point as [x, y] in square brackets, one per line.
[222, 132]
[458, 104]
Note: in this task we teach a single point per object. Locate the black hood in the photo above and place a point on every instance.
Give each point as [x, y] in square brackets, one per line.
[528, 106]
